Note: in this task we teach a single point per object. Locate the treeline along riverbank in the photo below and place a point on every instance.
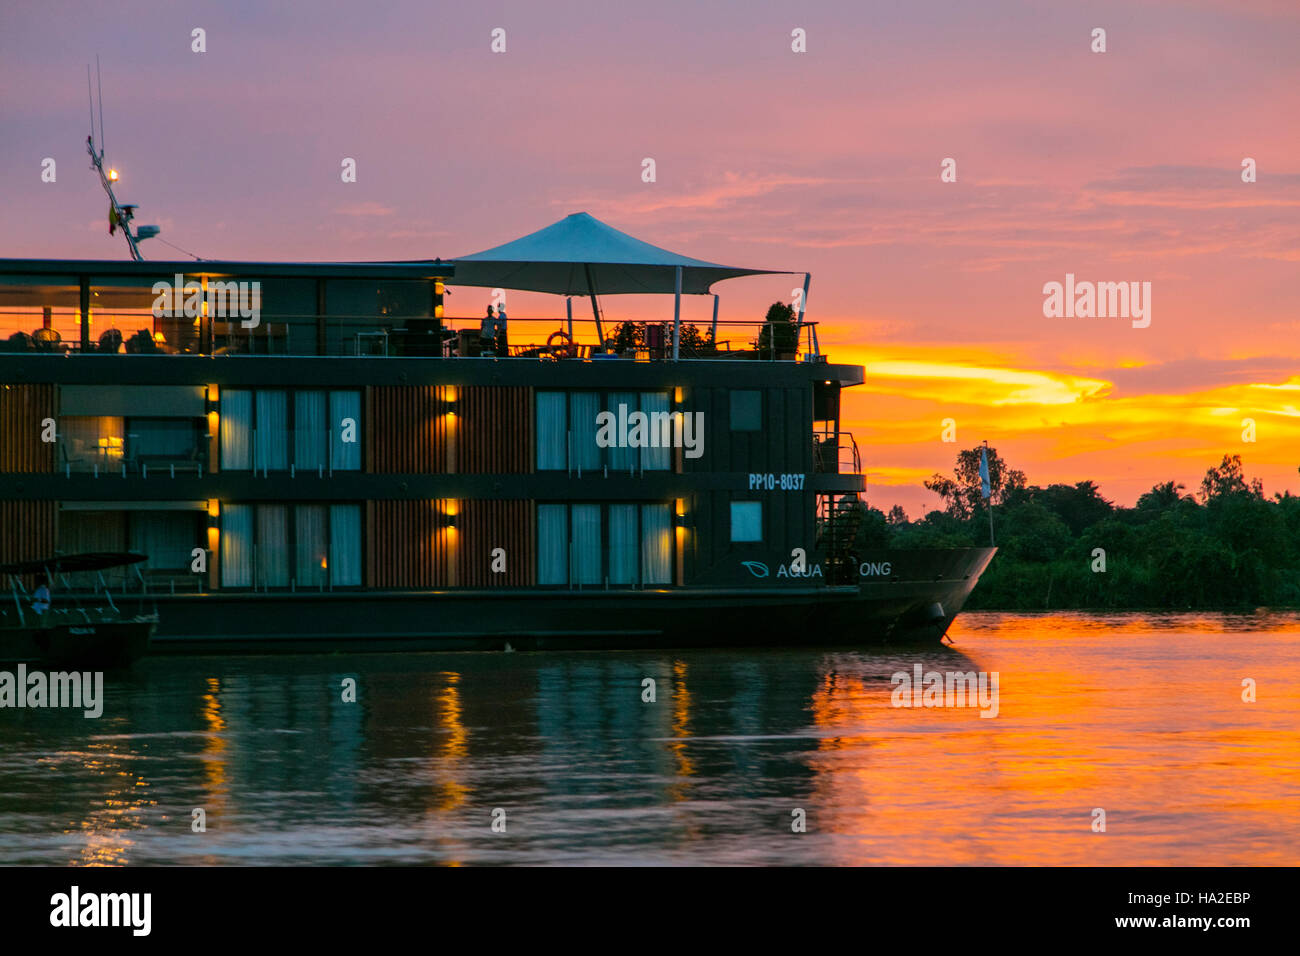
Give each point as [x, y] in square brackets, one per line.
[1224, 547]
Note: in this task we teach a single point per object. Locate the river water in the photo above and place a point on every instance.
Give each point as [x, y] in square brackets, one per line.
[1139, 716]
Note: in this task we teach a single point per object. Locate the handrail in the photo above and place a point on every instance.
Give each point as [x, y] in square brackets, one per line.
[821, 456]
[285, 333]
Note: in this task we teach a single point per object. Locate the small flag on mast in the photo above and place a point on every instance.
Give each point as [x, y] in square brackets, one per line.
[985, 490]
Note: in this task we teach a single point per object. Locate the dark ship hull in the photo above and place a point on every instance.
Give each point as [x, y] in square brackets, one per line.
[914, 603]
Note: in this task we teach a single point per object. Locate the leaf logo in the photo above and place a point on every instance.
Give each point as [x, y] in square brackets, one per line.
[757, 568]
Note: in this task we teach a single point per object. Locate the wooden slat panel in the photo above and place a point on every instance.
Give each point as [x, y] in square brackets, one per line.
[484, 526]
[410, 547]
[408, 432]
[22, 409]
[27, 530]
[495, 430]
[411, 432]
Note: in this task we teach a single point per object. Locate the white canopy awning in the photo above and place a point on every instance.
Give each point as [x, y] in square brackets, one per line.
[582, 256]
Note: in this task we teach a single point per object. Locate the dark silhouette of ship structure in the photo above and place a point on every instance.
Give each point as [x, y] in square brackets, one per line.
[317, 456]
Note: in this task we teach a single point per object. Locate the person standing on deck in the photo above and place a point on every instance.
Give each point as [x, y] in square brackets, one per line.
[503, 348]
[487, 333]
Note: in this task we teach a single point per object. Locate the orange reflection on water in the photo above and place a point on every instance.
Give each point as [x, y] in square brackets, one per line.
[454, 747]
[680, 729]
[1141, 717]
[107, 828]
[213, 756]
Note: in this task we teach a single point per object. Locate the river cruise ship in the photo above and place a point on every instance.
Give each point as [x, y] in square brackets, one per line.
[315, 456]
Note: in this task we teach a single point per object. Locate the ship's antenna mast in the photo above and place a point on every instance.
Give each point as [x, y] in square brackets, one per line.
[119, 214]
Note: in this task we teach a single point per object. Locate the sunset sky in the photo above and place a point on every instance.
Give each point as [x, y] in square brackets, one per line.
[1115, 166]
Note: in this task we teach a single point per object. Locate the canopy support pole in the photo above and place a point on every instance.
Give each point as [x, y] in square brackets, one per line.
[713, 330]
[677, 315]
[595, 309]
[568, 307]
[803, 305]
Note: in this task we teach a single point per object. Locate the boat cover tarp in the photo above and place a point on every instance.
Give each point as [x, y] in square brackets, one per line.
[582, 256]
[71, 563]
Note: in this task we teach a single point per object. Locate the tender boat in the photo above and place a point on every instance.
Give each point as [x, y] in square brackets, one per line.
[81, 627]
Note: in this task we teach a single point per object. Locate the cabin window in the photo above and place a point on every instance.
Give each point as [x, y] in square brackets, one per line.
[623, 458]
[584, 550]
[590, 544]
[166, 442]
[310, 434]
[746, 521]
[278, 546]
[552, 545]
[345, 546]
[311, 559]
[108, 443]
[270, 431]
[623, 535]
[271, 547]
[87, 443]
[264, 430]
[236, 429]
[656, 545]
[167, 537]
[345, 431]
[161, 436]
[656, 456]
[572, 436]
[551, 433]
[746, 410]
[584, 453]
[237, 545]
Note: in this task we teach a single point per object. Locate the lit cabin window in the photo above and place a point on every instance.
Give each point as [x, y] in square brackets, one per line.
[279, 546]
[637, 436]
[585, 545]
[266, 430]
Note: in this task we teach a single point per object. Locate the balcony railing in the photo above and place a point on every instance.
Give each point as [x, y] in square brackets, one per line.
[836, 453]
[540, 338]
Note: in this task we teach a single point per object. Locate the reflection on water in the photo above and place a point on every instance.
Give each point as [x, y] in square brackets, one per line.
[1140, 715]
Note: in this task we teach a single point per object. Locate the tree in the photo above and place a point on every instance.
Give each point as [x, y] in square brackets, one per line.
[963, 495]
[1030, 532]
[694, 342]
[1162, 496]
[1228, 478]
[779, 334]
[873, 529]
[628, 335]
[897, 515]
[1079, 505]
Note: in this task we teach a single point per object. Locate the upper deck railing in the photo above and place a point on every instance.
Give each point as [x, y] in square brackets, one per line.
[545, 338]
